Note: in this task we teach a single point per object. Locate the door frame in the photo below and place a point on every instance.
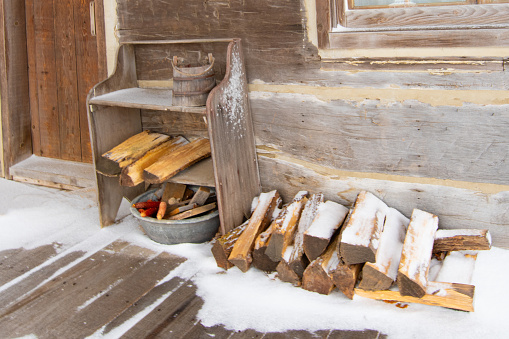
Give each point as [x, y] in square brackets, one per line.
[15, 120]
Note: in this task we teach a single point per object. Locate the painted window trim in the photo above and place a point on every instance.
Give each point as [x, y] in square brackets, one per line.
[479, 26]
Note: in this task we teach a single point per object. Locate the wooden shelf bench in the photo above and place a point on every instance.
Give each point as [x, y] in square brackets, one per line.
[115, 110]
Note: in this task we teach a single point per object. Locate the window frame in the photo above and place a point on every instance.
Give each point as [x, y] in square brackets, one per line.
[415, 27]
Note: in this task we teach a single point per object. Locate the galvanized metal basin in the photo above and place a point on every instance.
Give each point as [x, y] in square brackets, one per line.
[193, 230]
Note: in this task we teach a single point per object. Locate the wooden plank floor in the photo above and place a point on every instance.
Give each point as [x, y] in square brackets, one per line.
[118, 291]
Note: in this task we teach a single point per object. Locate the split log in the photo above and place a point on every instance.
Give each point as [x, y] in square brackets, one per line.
[359, 239]
[381, 274]
[298, 261]
[181, 158]
[201, 196]
[181, 209]
[196, 211]
[132, 149]
[317, 276]
[260, 259]
[261, 217]
[330, 216]
[462, 240]
[449, 295]
[175, 191]
[285, 272]
[416, 254]
[223, 245]
[345, 277]
[285, 227]
[132, 174]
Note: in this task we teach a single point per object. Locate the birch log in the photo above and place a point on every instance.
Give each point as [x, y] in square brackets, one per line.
[381, 274]
[416, 254]
[329, 218]
[360, 236]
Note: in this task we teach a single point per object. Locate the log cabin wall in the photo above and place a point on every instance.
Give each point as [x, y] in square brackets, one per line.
[429, 135]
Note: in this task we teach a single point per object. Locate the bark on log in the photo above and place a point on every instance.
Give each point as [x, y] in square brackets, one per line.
[285, 227]
[416, 254]
[360, 235]
[261, 217]
[317, 276]
[298, 261]
[381, 274]
[223, 245]
[329, 218]
[462, 240]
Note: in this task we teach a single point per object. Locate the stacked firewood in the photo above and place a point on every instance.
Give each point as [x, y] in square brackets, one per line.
[371, 249]
[152, 158]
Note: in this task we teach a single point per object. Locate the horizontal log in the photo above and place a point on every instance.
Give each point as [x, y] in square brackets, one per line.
[474, 205]
[178, 160]
[462, 240]
[455, 296]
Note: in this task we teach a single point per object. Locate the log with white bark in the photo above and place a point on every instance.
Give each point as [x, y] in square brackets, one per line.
[381, 274]
[329, 218]
[298, 261]
[360, 236]
[416, 254]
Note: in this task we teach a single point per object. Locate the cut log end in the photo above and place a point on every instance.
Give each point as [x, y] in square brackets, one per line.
[262, 262]
[353, 254]
[408, 287]
[242, 263]
[315, 279]
[286, 274]
[314, 247]
[374, 280]
[220, 256]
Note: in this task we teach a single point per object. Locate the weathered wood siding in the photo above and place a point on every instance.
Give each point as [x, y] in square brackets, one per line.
[423, 132]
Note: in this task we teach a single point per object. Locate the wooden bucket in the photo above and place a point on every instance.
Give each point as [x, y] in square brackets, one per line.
[191, 85]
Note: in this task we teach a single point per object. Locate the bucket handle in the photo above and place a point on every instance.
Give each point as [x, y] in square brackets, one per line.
[179, 70]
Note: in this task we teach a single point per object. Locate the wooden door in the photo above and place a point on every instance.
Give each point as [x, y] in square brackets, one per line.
[65, 60]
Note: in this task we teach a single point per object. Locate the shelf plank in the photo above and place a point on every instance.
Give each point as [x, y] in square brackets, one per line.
[146, 98]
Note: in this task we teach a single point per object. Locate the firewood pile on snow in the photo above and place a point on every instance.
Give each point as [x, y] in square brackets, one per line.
[371, 250]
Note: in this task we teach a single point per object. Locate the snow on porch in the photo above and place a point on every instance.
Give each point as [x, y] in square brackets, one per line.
[50, 240]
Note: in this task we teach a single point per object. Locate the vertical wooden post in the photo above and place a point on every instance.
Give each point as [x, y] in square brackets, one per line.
[15, 110]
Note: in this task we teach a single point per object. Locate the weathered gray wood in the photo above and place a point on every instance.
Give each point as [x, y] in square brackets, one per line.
[145, 98]
[471, 209]
[127, 122]
[232, 143]
[54, 172]
[427, 16]
[404, 136]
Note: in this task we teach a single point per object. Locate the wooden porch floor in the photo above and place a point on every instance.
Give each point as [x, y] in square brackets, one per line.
[112, 292]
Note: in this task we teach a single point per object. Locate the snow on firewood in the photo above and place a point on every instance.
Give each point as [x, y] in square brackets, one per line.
[458, 267]
[329, 218]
